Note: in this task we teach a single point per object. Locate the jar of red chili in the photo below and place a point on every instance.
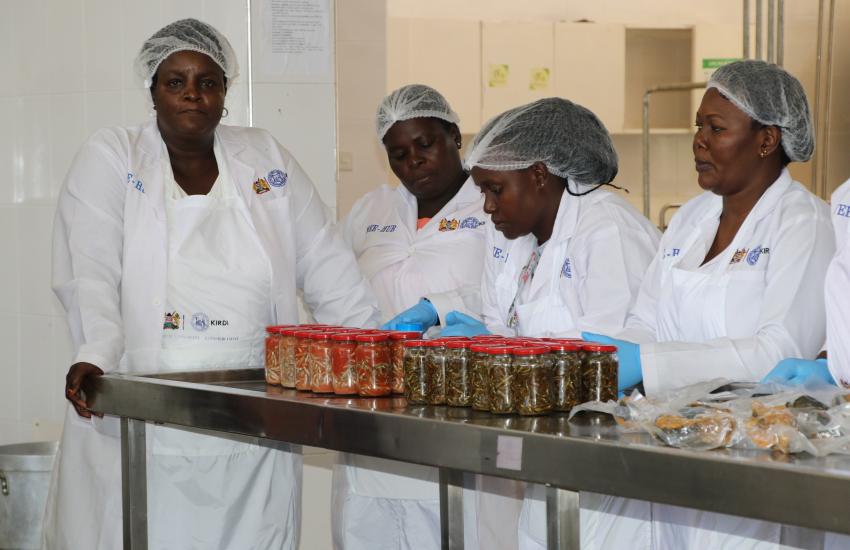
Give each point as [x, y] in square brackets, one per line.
[397, 357]
[272, 361]
[287, 356]
[372, 362]
[343, 346]
[321, 373]
[302, 360]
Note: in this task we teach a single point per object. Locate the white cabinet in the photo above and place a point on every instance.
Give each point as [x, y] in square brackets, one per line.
[442, 53]
[517, 64]
[590, 61]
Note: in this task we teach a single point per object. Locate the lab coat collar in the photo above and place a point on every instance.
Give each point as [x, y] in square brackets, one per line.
[764, 206]
[466, 195]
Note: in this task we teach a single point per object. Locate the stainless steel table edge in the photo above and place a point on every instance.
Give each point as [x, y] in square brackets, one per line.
[733, 483]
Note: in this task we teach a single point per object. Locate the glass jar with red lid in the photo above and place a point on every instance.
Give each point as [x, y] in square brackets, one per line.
[272, 355]
[415, 372]
[532, 380]
[343, 347]
[287, 356]
[303, 359]
[458, 379]
[372, 362]
[397, 357]
[435, 365]
[479, 379]
[599, 371]
[566, 373]
[321, 367]
[500, 373]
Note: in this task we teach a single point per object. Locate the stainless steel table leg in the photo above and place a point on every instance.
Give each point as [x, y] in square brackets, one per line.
[562, 519]
[451, 509]
[134, 484]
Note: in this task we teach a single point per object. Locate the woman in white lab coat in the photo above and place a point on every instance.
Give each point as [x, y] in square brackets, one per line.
[422, 243]
[175, 244]
[736, 285]
[564, 254]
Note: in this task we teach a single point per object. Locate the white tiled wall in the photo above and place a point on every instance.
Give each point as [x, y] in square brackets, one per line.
[67, 67]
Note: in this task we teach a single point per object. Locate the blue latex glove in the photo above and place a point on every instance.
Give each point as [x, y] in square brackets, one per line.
[460, 324]
[628, 355]
[800, 372]
[422, 313]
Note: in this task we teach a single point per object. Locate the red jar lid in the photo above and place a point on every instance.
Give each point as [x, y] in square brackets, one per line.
[434, 343]
[599, 347]
[370, 337]
[277, 329]
[531, 350]
[304, 333]
[325, 336]
[291, 331]
[458, 344]
[563, 345]
[345, 336]
[396, 335]
[418, 343]
[479, 347]
[500, 349]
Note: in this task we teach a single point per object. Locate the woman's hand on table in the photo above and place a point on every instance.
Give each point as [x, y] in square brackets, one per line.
[73, 382]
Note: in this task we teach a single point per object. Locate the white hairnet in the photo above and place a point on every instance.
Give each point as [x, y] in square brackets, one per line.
[412, 101]
[186, 34]
[569, 139]
[770, 95]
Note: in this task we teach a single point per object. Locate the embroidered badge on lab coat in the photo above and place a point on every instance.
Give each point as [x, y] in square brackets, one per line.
[739, 255]
[261, 186]
[277, 178]
[172, 321]
[448, 225]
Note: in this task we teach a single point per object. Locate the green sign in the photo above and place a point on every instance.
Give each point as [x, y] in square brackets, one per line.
[709, 63]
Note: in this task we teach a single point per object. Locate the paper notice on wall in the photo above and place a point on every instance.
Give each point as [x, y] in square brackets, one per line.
[497, 76]
[295, 38]
[539, 79]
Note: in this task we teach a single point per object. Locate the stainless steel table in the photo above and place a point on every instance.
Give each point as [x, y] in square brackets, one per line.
[581, 455]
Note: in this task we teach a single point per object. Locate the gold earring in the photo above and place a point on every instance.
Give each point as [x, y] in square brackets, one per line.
[762, 153]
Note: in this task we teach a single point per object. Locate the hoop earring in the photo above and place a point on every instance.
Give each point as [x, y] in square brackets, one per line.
[224, 113]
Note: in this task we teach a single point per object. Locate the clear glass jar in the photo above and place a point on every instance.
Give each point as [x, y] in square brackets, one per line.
[435, 365]
[302, 360]
[458, 380]
[397, 357]
[501, 379]
[372, 363]
[566, 374]
[343, 346]
[287, 356]
[321, 366]
[415, 372]
[478, 374]
[599, 368]
[532, 380]
[272, 356]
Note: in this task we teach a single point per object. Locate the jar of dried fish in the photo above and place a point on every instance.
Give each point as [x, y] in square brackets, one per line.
[302, 359]
[321, 367]
[272, 356]
[372, 362]
[599, 368]
[566, 374]
[532, 380]
[478, 374]
[415, 372]
[435, 365]
[458, 380]
[342, 363]
[287, 356]
[501, 379]
[397, 340]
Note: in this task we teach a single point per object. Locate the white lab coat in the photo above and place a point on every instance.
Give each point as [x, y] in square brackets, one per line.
[758, 302]
[382, 503]
[586, 280]
[110, 272]
[442, 261]
[837, 284]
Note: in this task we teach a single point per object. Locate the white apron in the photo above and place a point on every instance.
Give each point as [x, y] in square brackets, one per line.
[204, 492]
